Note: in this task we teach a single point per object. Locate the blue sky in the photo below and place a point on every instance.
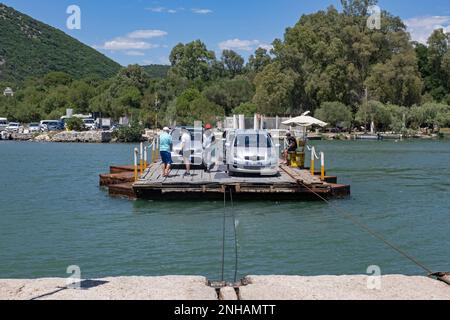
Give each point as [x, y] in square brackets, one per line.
[144, 31]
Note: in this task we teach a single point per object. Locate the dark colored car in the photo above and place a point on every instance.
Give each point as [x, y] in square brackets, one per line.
[55, 126]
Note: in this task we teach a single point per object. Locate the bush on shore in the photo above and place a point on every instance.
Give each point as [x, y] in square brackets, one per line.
[129, 134]
[75, 124]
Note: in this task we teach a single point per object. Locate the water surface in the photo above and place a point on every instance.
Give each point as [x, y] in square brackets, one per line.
[53, 214]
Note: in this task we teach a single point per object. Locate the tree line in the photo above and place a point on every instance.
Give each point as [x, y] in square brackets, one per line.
[329, 63]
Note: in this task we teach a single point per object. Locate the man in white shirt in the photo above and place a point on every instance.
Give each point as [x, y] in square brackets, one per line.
[186, 150]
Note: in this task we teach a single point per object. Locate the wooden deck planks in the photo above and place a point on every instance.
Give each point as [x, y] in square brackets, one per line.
[153, 177]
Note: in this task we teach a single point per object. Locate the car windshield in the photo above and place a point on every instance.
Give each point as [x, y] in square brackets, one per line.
[253, 140]
[89, 121]
[34, 124]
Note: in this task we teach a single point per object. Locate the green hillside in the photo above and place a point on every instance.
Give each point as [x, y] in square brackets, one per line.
[31, 48]
[157, 71]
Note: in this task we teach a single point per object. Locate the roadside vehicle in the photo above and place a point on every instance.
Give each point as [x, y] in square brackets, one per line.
[34, 127]
[13, 127]
[3, 124]
[253, 152]
[51, 125]
[89, 124]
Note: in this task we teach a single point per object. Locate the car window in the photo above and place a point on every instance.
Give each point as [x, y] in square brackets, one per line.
[258, 141]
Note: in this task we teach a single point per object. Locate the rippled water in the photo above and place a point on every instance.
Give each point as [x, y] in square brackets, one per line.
[53, 214]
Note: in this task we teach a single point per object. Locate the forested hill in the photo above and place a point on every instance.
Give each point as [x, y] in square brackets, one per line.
[157, 71]
[29, 48]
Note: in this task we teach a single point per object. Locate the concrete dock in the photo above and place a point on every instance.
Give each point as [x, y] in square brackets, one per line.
[393, 287]
[290, 184]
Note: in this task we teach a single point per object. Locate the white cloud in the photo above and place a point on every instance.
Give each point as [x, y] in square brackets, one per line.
[243, 45]
[133, 42]
[266, 46]
[173, 11]
[202, 11]
[421, 28]
[157, 9]
[164, 10]
[146, 34]
[120, 44]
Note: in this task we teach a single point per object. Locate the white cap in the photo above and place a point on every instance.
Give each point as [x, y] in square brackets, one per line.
[166, 129]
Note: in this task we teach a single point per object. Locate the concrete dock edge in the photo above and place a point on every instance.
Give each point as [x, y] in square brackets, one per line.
[392, 287]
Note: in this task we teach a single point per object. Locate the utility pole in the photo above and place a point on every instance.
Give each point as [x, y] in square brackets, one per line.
[156, 108]
[366, 104]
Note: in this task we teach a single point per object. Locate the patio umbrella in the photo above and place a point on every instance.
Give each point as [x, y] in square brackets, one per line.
[305, 121]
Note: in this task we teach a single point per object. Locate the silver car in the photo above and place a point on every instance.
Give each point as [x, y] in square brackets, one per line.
[253, 152]
[13, 127]
[34, 127]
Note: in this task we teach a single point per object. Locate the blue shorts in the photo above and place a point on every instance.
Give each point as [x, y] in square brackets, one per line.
[166, 157]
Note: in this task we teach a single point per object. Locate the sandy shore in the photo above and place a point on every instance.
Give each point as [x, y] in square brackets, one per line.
[393, 287]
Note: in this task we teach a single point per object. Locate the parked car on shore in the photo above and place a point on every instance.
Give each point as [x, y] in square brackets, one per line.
[89, 124]
[51, 125]
[3, 124]
[34, 127]
[13, 127]
[253, 152]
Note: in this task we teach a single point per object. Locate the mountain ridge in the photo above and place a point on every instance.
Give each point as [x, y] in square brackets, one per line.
[30, 48]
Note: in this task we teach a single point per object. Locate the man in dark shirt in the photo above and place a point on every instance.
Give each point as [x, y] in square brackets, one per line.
[292, 146]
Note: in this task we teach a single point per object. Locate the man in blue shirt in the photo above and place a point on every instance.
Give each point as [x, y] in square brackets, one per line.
[165, 147]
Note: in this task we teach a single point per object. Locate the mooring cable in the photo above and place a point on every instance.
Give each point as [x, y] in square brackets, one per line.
[372, 232]
[236, 265]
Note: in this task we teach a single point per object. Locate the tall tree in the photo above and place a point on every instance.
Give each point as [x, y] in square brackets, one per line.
[192, 61]
[233, 62]
[274, 90]
[259, 60]
[438, 78]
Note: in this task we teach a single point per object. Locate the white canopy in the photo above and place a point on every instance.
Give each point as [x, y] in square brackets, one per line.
[305, 121]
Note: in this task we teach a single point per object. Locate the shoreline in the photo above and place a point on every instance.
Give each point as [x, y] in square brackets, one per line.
[355, 287]
[106, 137]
